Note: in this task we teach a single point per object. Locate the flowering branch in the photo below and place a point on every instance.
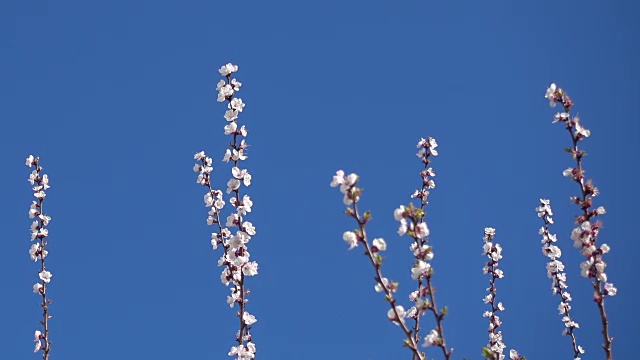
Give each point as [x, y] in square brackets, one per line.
[555, 271]
[422, 271]
[585, 235]
[39, 232]
[496, 346]
[396, 313]
[235, 257]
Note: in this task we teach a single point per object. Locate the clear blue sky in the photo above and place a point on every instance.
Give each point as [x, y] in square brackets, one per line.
[117, 96]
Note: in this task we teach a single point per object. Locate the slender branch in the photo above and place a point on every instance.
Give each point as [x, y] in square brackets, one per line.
[235, 257]
[424, 252]
[396, 313]
[585, 236]
[39, 232]
[555, 271]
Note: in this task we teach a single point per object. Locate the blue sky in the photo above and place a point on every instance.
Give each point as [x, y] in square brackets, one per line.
[117, 96]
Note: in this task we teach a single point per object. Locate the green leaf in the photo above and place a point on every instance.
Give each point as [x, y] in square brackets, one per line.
[488, 354]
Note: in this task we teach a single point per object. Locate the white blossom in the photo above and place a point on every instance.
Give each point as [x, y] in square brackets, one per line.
[351, 239]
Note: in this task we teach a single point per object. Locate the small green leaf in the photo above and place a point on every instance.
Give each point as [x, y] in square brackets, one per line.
[444, 311]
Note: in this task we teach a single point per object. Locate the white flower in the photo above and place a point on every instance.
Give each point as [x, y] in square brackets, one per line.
[431, 338]
[227, 156]
[37, 335]
[380, 244]
[581, 131]
[338, 178]
[391, 314]
[225, 92]
[487, 299]
[380, 288]
[237, 155]
[560, 117]
[29, 161]
[552, 251]
[232, 299]
[585, 267]
[231, 115]
[246, 203]
[45, 276]
[610, 290]
[550, 95]
[514, 355]
[236, 104]
[230, 128]
[37, 288]
[350, 180]
[45, 181]
[402, 229]
[33, 209]
[250, 269]
[351, 239]
[232, 220]
[420, 268]
[567, 172]
[32, 177]
[347, 201]
[248, 318]
[398, 213]
[422, 231]
[432, 144]
[249, 228]
[199, 156]
[228, 69]
[241, 175]
[232, 185]
[35, 252]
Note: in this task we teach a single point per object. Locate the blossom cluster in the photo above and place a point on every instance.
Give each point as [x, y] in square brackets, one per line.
[587, 230]
[493, 251]
[412, 224]
[555, 271]
[38, 252]
[232, 233]
[396, 313]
